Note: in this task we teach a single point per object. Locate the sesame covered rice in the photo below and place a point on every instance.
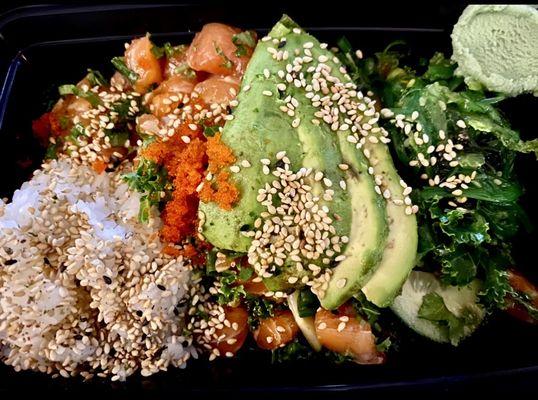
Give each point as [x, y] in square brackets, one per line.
[85, 288]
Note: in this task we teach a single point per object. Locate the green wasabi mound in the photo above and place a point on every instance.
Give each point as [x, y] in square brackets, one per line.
[496, 47]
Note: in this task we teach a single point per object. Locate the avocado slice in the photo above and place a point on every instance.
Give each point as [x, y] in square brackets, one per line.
[260, 129]
[399, 256]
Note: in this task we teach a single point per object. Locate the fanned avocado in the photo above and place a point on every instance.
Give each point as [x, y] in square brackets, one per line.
[260, 129]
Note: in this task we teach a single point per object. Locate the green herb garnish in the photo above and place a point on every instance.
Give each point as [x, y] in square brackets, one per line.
[92, 98]
[243, 41]
[96, 78]
[227, 63]
[150, 180]
[121, 67]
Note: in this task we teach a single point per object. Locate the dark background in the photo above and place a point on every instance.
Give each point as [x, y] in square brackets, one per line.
[54, 45]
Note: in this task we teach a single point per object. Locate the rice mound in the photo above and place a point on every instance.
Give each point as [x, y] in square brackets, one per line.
[84, 286]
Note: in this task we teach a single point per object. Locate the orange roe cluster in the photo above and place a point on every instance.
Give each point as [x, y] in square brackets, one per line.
[185, 164]
[222, 191]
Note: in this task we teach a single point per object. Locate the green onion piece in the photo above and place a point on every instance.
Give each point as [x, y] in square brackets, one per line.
[121, 67]
[92, 98]
[227, 63]
[210, 131]
[96, 78]
[157, 51]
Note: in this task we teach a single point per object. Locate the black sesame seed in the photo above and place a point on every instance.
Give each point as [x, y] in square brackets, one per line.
[281, 44]
[107, 279]
[280, 164]
[161, 287]
[10, 262]
[139, 313]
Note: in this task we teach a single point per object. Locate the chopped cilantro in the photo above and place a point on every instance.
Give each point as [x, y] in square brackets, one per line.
[227, 63]
[242, 41]
[150, 180]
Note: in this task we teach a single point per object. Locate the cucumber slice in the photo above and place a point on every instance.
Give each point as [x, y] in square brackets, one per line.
[306, 325]
[457, 299]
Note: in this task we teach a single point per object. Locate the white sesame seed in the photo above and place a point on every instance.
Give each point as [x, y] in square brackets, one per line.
[267, 93]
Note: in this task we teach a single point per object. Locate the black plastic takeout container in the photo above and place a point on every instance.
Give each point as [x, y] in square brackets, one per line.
[42, 47]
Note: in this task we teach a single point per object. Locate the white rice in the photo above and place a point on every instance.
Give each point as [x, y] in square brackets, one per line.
[84, 287]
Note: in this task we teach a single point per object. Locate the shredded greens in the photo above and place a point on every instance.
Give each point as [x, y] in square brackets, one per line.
[464, 230]
[150, 180]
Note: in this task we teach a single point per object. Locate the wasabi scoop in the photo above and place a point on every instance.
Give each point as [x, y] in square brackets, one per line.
[496, 46]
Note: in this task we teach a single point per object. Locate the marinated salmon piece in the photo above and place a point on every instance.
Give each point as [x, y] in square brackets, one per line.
[233, 336]
[140, 59]
[345, 334]
[148, 124]
[177, 84]
[255, 287]
[276, 331]
[213, 50]
[169, 95]
[218, 89]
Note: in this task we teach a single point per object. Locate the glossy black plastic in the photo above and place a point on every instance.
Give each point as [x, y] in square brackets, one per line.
[43, 47]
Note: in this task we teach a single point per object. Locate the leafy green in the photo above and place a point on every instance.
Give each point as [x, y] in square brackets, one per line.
[433, 309]
[118, 138]
[210, 131]
[307, 303]
[461, 236]
[121, 67]
[229, 291]
[226, 63]
[157, 51]
[385, 345]
[242, 41]
[92, 98]
[186, 71]
[96, 78]
[76, 131]
[293, 351]
[150, 180]
[258, 308]
[52, 151]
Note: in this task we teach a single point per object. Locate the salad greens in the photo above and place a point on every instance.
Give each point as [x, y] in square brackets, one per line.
[150, 180]
[458, 151]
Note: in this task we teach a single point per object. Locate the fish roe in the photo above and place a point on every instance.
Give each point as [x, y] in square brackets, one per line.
[221, 190]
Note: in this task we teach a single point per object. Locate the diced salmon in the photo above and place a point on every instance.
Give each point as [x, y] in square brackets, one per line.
[140, 59]
[148, 124]
[232, 339]
[345, 334]
[522, 285]
[213, 51]
[218, 89]
[169, 95]
[276, 331]
[119, 81]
